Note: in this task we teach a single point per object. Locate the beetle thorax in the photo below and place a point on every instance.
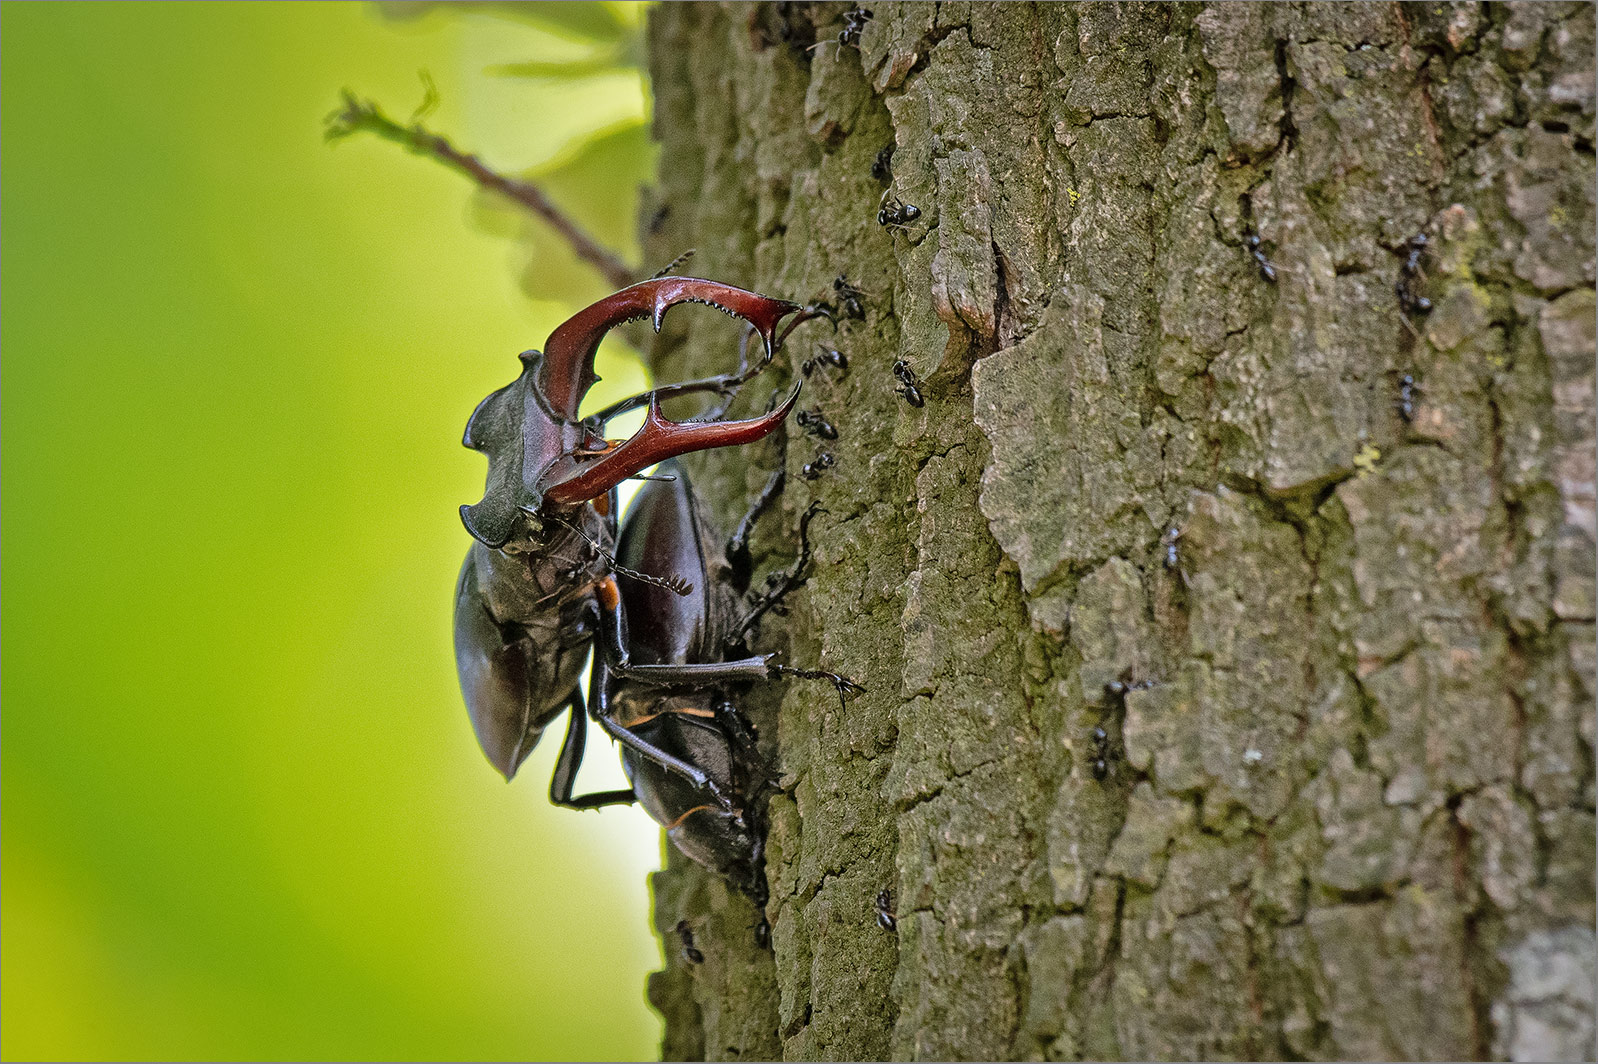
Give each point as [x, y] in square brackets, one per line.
[540, 575]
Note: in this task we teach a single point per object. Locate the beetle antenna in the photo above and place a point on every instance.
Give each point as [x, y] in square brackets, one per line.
[675, 584]
[674, 263]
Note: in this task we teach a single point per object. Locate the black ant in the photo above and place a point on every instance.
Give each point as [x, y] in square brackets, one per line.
[1170, 547]
[1115, 693]
[1117, 690]
[882, 167]
[763, 933]
[828, 357]
[689, 952]
[1406, 398]
[909, 383]
[848, 297]
[812, 470]
[1267, 270]
[887, 919]
[773, 594]
[1408, 299]
[812, 422]
[1103, 756]
[891, 212]
[1168, 541]
[854, 21]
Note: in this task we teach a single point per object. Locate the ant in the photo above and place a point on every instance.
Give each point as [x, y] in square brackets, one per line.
[689, 952]
[812, 470]
[763, 933]
[854, 21]
[893, 213]
[1406, 398]
[1117, 690]
[1267, 270]
[828, 357]
[812, 422]
[774, 592]
[887, 919]
[882, 167]
[1408, 299]
[848, 297]
[1168, 541]
[1170, 547]
[909, 384]
[1115, 693]
[1103, 756]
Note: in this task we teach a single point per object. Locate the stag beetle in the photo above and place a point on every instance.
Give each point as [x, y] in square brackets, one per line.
[692, 719]
[539, 584]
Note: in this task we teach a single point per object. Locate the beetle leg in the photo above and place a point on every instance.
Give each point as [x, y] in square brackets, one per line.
[742, 670]
[599, 709]
[738, 545]
[568, 483]
[567, 371]
[781, 583]
[843, 684]
[618, 662]
[571, 757]
[737, 726]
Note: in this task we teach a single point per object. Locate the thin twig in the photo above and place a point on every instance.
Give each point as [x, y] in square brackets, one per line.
[357, 115]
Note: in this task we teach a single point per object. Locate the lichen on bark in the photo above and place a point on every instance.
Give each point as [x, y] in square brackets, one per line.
[1352, 816]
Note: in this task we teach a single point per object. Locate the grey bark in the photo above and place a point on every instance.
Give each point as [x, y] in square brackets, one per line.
[1353, 815]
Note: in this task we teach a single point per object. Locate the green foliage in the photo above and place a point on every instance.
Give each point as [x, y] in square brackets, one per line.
[244, 814]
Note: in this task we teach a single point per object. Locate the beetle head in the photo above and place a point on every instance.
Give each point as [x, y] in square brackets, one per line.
[522, 438]
[540, 453]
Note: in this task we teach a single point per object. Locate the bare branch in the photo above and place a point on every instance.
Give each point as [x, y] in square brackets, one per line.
[359, 115]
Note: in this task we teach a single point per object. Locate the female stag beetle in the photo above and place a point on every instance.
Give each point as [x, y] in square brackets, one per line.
[539, 584]
[693, 718]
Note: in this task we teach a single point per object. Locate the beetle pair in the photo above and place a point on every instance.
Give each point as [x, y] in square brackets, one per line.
[540, 585]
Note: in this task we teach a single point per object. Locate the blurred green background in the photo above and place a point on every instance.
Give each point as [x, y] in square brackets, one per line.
[244, 814]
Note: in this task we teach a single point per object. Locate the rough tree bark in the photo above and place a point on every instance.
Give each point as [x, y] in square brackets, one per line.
[1353, 814]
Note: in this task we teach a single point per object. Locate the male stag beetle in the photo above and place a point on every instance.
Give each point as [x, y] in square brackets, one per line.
[539, 585]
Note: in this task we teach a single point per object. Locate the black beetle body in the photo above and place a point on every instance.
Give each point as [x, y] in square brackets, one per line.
[668, 530]
[518, 675]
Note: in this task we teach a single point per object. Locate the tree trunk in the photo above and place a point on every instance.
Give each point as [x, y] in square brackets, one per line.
[1338, 548]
